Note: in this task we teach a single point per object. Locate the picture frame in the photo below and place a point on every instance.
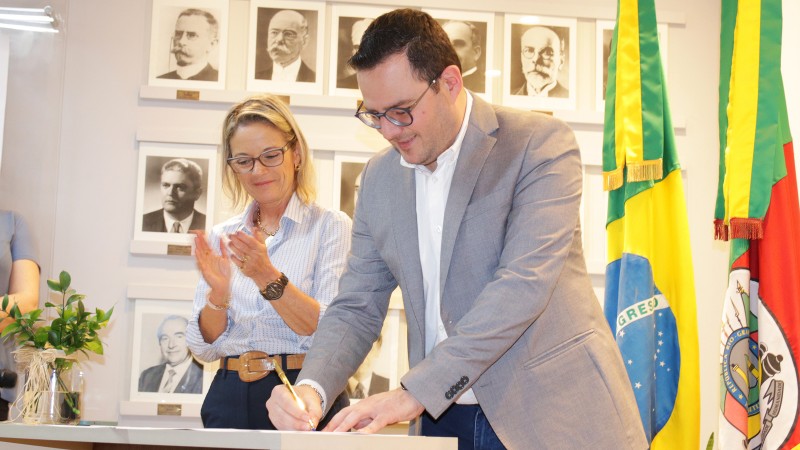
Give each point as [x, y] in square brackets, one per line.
[165, 68]
[151, 201]
[604, 30]
[309, 48]
[5, 53]
[347, 21]
[347, 169]
[149, 356]
[559, 83]
[482, 30]
[387, 361]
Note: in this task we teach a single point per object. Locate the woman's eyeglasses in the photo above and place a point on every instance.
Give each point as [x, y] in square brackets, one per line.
[268, 158]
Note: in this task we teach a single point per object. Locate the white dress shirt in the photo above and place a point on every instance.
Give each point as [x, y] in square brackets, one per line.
[180, 371]
[433, 188]
[288, 73]
[185, 223]
[186, 72]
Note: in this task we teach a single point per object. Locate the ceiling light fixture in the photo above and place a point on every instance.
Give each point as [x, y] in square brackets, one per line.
[29, 19]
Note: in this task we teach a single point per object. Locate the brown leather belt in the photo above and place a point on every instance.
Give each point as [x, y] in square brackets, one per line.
[255, 365]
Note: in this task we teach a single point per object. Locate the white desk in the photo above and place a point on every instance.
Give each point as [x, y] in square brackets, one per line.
[21, 436]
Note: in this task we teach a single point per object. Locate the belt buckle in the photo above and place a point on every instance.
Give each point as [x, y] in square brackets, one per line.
[250, 369]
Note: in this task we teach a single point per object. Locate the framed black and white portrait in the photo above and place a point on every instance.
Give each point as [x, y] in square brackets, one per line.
[162, 367]
[285, 47]
[472, 36]
[348, 23]
[605, 32]
[387, 361]
[347, 170]
[175, 191]
[188, 44]
[539, 71]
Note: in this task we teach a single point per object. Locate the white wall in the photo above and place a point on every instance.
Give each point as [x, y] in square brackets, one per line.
[81, 188]
[791, 69]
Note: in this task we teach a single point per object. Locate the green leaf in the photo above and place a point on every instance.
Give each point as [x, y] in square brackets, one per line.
[65, 279]
[53, 337]
[710, 445]
[11, 328]
[5, 302]
[15, 312]
[94, 345]
[53, 285]
[40, 338]
[68, 314]
[74, 298]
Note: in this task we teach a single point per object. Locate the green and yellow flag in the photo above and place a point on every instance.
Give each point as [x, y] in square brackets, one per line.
[757, 209]
[650, 297]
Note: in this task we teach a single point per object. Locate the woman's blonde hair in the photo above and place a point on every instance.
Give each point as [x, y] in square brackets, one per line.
[269, 110]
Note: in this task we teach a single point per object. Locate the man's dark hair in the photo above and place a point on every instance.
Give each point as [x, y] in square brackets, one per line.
[408, 31]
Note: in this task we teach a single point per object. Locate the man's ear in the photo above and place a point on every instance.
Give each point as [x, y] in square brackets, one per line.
[452, 81]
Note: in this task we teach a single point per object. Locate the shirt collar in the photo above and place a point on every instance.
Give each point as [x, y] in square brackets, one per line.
[286, 73]
[296, 211]
[543, 92]
[181, 366]
[186, 72]
[185, 223]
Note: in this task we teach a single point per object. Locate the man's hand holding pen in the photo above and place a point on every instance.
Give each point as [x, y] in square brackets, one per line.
[286, 414]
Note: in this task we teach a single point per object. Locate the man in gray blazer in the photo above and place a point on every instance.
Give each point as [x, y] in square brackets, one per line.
[474, 213]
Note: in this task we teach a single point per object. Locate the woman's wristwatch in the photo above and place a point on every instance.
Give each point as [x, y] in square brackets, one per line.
[274, 290]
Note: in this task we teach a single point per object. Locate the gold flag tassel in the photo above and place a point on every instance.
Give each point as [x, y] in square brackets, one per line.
[645, 170]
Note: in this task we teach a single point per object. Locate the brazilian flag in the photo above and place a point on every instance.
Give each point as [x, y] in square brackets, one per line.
[649, 297]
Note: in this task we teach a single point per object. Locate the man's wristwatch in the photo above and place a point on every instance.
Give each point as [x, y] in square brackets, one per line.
[274, 290]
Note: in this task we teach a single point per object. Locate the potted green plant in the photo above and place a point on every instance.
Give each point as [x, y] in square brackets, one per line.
[48, 352]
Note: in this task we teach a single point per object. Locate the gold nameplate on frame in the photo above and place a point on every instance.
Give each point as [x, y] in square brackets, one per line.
[187, 95]
[179, 250]
[168, 409]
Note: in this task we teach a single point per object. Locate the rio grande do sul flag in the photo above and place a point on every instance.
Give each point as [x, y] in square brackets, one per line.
[649, 297]
[757, 209]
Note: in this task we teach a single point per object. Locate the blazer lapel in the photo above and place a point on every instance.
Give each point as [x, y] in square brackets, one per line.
[475, 149]
[404, 222]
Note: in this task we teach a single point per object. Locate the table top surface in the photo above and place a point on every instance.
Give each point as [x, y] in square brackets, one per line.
[221, 438]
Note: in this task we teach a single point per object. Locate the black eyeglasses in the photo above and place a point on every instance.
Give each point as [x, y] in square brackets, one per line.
[399, 116]
[268, 158]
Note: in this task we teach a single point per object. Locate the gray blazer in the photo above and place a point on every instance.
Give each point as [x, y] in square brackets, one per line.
[526, 331]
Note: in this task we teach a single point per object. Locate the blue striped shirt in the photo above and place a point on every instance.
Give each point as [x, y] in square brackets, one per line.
[310, 247]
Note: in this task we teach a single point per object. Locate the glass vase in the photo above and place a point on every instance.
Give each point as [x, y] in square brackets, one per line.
[58, 400]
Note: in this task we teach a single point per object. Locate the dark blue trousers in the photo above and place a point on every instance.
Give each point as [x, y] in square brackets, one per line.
[233, 403]
[465, 422]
